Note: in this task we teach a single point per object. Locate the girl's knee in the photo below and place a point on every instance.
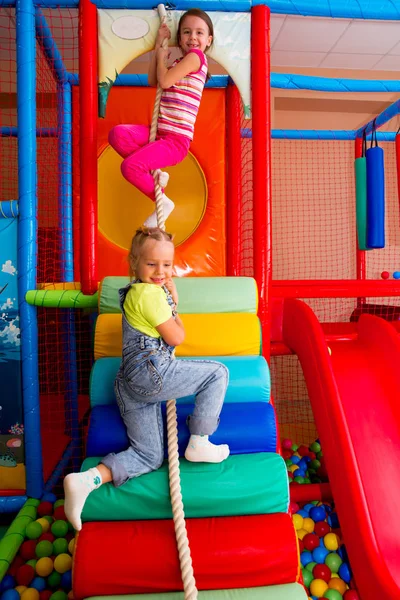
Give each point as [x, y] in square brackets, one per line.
[223, 372]
[114, 135]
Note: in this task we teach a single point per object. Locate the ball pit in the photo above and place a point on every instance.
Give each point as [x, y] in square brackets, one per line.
[42, 569]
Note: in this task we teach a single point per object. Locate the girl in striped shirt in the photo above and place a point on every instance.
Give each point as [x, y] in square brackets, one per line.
[182, 85]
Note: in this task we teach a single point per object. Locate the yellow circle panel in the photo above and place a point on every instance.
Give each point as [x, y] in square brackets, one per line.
[122, 208]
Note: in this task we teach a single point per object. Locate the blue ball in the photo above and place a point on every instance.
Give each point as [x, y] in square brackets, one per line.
[303, 464]
[10, 594]
[319, 555]
[396, 275]
[66, 580]
[7, 583]
[308, 507]
[49, 497]
[303, 513]
[333, 520]
[306, 557]
[344, 572]
[295, 459]
[343, 553]
[328, 509]
[39, 583]
[317, 513]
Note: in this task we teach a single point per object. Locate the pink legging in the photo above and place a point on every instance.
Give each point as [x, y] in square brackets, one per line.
[141, 157]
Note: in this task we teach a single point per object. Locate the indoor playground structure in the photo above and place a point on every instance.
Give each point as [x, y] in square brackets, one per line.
[287, 270]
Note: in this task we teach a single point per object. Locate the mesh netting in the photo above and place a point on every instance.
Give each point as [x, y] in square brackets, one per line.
[246, 250]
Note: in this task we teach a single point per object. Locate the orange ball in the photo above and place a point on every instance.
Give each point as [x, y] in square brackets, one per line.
[337, 584]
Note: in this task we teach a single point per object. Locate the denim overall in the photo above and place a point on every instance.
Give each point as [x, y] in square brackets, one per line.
[149, 374]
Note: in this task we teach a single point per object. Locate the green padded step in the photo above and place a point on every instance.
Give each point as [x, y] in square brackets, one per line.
[197, 295]
[244, 484]
[292, 591]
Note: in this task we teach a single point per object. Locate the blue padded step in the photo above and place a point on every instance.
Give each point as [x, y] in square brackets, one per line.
[247, 428]
[249, 380]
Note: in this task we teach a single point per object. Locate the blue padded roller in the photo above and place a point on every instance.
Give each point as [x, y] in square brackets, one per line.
[247, 428]
[375, 198]
[249, 380]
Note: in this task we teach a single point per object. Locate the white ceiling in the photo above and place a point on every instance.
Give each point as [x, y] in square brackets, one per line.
[334, 43]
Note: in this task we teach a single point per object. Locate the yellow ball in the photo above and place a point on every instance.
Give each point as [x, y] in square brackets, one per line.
[301, 533]
[318, 587]
[21, 588]
[297, 454]
[63, 563]
[308, 524]
[331, 541]
[293, 468]
[298, 522]
[44, 566]
[30, 594]
[44, 523]
[71, 546]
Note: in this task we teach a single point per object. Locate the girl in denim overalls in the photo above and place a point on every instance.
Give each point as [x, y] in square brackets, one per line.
[149, 375]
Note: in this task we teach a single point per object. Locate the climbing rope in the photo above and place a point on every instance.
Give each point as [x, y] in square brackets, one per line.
[178, 514]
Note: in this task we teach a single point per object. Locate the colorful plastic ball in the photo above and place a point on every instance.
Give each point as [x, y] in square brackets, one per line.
[59, 595]
[44, 548]
[287, 444]
[297, 521]
[71, 595]
[351, 595]
[44, 523]
[311, 541]
[320, 555]
[49, 519]
[307, 577]
[334, 562]
[44, 566]
[343, 553]
[315, 447]
[45, 595]
[59, 502]
[66, 580]
[45, 508]
[321, 528]
[39, 583]
[333, 521]
[33, 530]
[308, 524]
[396, 275]
[32, 562]
[48, 536]
[71, 546]
[10, 594]
[317, 513]
[331, 541]
[305, 558]
[301, 533]
[310, 566]
[59, 513]
[385, 274]
[21, 588]
[322, 572]
[294, 507]
[337, 584]
[54, 580]
[318, 588]
[59, 528]
[344, 572]
[7, 583]
[27, 550]
[63, 563]
[332, 595]
[60, 546]
[24, 575]
[30, 594]
[49, 497]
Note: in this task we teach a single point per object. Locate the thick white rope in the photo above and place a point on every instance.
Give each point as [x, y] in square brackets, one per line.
[189, 582]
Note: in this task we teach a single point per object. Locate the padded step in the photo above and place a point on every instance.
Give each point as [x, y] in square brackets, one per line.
[231, 334]
[293, 591]
[247, 428]
[120, 558]
[244, 484]
[196, 294]
[249, 379]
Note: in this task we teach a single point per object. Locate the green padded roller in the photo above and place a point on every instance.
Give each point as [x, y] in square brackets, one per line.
[292, 591]
[360, 166]
[196, 294]
[244, 484]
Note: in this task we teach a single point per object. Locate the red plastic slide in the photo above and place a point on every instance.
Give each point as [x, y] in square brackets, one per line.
[355, 395]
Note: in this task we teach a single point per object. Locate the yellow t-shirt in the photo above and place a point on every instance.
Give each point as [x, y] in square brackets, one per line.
[146, 307]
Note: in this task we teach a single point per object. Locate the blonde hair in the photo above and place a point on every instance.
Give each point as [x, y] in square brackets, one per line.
[138, 241]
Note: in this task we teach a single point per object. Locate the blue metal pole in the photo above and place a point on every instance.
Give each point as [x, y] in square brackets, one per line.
[27, 240]
[385, 116]
[322, 134]
[40, 132]
[64, 104]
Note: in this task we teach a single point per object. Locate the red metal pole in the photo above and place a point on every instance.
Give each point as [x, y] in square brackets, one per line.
[234, 181]
[88, 144]
[261, 136]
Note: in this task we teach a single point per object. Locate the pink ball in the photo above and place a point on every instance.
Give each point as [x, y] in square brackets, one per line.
[294, 507]
[385, 274]
[287, 444]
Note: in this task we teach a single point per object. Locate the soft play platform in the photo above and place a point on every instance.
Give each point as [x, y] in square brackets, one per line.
[293, 591]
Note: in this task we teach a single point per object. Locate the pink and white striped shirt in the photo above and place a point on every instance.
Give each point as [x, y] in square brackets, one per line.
[180, 103]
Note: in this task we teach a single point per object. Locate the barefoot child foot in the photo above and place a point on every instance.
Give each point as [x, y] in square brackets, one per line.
[77, 487]
[200, 449]
[169, 206]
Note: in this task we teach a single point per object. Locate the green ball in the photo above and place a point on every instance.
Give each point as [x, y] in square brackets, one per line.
[307, 480]
[333, 561]
[49, 519]
[315, 464]
[59, 502]
[32, 563]
[333, 595]
[299, 479]
[60, 546]
[33, 530]
[319, 455]
[310, 566]
[54, 580]
[307, 577]
[59, 528]
[315, 447]
[295, 447]
[288, 462]
[44, 548]
[59, 595]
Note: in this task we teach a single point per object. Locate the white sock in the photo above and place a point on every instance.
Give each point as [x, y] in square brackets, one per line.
[163, 178]
[200, 449]
[169, 206]
[77, 487]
